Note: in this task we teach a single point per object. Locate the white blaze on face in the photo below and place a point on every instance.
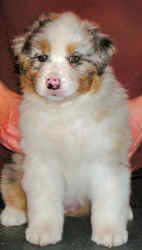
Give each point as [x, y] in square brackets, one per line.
[60, 33]
[58, 68]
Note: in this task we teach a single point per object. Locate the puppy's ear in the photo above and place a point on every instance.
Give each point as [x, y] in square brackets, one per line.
[18, 44]
[102, 43]
[103, 46]
[104, 49]
[22, 43]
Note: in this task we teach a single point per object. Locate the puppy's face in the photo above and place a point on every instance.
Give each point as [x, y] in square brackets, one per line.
[60, 55]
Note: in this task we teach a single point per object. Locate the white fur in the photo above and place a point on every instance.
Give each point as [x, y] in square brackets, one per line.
[70, 155]
[12, 217]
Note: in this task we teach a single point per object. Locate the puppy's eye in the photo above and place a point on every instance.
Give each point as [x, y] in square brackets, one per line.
[74, 59]
[43, 58]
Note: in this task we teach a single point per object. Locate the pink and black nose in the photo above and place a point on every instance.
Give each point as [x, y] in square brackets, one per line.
[53, 83]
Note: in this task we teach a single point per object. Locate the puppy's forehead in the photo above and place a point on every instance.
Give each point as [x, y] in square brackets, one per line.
[65, 30]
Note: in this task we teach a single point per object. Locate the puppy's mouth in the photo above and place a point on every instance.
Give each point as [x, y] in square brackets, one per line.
[53, 88]
[55, 95]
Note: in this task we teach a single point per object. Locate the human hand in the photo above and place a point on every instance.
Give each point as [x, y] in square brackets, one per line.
[135, 111]
[9, 119]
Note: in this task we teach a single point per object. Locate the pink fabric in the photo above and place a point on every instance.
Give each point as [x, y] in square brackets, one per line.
[9, 118]
[135, 109]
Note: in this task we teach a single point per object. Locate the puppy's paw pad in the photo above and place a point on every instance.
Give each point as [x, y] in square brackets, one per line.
[42, 236]
[12, 217]
[110, 238]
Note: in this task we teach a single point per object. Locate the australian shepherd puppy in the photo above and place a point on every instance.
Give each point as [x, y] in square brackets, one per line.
[75, 133]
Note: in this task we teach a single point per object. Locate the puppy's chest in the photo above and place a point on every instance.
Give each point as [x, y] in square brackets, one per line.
[67, 128]
[70, 135]
[61, 130]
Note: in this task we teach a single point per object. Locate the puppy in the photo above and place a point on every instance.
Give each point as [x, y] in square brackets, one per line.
[75, 133]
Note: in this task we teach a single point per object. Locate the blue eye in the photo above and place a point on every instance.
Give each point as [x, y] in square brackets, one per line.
[43, 58]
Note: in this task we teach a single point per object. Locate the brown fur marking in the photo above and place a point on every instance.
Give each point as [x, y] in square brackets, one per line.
[12, 191]
[14, 196]
[96, 84]
[44, 46]
[71, 48]
[27, 82]
[90, 82]
[25, 62]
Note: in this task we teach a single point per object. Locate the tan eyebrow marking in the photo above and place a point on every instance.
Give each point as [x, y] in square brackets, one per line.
[44, 46]
[71, 48]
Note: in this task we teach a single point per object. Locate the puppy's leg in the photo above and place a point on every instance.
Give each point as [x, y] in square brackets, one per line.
[13, 195]
[110, 205]
[44, 190]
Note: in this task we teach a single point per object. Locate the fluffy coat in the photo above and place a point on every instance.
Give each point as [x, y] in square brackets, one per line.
[75, 138]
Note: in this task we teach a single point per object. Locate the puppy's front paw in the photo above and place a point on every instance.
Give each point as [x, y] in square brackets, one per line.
[43, 235]
[110, 237]
[12, 217]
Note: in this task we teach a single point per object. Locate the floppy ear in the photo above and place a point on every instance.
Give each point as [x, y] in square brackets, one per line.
[18, 44]
[103, 43]
[22, 42]
[104, 49]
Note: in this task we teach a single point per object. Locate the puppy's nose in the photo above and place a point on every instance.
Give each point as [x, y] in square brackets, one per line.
[53, 83]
